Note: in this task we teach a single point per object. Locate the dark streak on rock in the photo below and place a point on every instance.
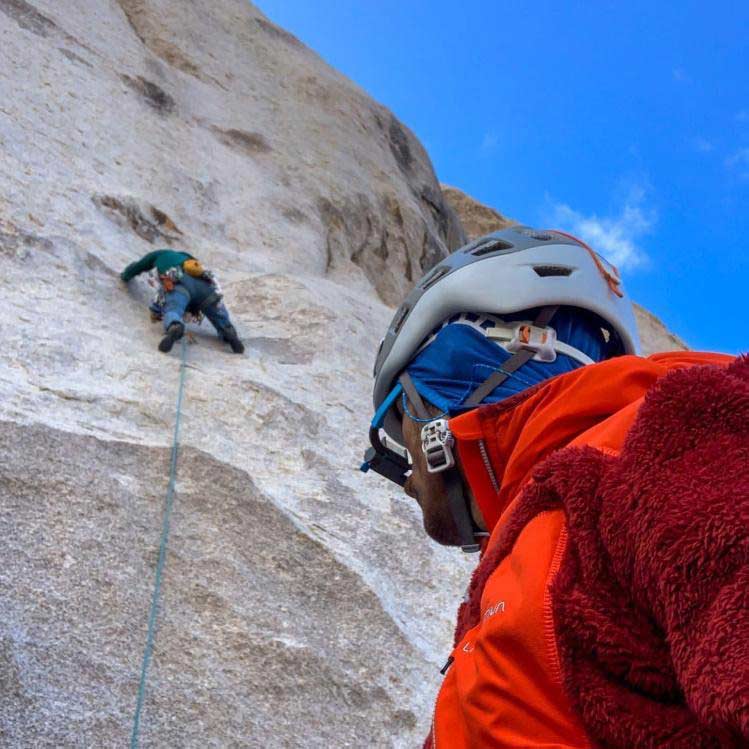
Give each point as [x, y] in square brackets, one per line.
[242, 140]
[93, 263]
[432, 251]
[154, 96]
[130, 15]
[448, 224]
[137, 15]
[333, 221]
[28, 17]
[364, 239]
[73, 57]
[432, 198]
[147, 222]
[399, 145]
[294, 215]
[164, 222]
[279, 33]
[19, 243]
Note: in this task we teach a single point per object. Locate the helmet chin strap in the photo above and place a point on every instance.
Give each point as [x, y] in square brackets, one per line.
[439, 459]
[468, 533]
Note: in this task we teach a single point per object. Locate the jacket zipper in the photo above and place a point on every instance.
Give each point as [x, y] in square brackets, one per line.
[434, 716]
[451, 659]
[443, 671]
[488, 465]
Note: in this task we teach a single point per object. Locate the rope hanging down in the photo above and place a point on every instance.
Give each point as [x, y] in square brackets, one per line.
[162, 553]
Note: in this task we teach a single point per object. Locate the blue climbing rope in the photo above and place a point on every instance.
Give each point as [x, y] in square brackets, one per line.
[162, 553]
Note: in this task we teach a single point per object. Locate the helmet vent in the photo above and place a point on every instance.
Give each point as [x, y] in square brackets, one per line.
[495, 245]
[434, 276]
[400, 318]
[541, 236]
[552, 270]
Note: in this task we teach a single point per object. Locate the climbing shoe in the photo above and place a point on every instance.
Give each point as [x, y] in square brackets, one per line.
[173, 333]
[231, 337]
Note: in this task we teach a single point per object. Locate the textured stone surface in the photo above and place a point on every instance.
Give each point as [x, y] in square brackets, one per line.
[244, 655]
[302, 604]
[479, 219]
[654, 335]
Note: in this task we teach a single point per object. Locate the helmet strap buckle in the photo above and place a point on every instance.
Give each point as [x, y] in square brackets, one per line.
[542, 341]
[437, 444]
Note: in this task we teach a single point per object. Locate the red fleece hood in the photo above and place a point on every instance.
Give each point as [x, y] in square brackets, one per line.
[499, 445]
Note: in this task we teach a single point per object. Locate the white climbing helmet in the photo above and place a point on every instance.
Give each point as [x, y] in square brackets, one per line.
[508, 271]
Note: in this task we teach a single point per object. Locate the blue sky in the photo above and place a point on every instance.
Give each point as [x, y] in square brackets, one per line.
[626, 122]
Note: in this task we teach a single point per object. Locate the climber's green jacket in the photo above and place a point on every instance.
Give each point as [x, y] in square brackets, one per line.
[162, 260]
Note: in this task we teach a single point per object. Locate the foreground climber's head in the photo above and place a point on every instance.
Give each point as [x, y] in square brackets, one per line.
[501, 315]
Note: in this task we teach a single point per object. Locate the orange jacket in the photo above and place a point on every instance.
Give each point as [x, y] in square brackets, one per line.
[509, 682]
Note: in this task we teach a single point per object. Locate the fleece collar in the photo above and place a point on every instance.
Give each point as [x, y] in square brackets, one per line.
[500, 444]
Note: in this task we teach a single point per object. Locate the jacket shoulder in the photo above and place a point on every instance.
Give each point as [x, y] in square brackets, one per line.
[649, 608]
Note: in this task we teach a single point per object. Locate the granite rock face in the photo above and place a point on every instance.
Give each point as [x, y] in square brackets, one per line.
[302, 606]
[246, 653]
[479, 219]
[654, 335]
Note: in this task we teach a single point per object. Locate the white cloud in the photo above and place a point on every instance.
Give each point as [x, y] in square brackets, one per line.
[739, 161]
[680, 75]
[489, 142]
[615, 237]
[703, 145]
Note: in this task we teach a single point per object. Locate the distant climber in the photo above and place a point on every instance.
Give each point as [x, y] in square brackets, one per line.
[184, 286]
[607, 493]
